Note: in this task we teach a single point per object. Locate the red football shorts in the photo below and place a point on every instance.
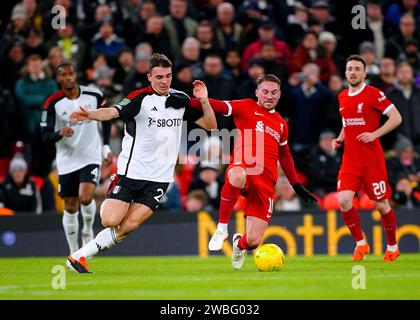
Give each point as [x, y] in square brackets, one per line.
[258, 193]
[371, 179]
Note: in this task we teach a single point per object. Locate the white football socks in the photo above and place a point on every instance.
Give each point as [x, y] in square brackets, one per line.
[71, 229]
[105, 239]
[222, 226]
[88, 214]
[361, 242]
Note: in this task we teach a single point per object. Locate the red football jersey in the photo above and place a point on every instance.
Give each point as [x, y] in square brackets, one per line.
[361, 112]
[260, 132]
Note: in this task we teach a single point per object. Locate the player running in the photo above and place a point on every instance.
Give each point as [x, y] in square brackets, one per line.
[363, 166]
[79, 151]
[153, 119]
[261, 143]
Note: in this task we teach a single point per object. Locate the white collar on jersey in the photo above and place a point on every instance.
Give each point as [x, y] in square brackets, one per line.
[352, 94]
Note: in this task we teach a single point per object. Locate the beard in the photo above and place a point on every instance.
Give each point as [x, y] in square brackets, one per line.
[354, 85]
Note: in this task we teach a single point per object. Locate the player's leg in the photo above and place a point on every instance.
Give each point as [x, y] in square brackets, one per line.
[71, 222]
[390, 226]
[68, 189]
[352, 220]
[235, 182]
[255, 228]
[137, 214]
[378, 190]
[113, 212]
[89, 177]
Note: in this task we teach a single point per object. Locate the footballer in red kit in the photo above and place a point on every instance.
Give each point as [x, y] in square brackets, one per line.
[363, 166]
[261, 143]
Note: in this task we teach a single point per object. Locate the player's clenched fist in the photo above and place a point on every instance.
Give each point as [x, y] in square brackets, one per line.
[337, 143]
[200, 90]
[66, 132]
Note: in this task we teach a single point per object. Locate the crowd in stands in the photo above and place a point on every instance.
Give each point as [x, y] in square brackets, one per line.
[228, 45]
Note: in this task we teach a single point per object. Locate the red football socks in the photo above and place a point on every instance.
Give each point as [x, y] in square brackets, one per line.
[228, 198]
[390, 226]
[243, 243]
[351, 219]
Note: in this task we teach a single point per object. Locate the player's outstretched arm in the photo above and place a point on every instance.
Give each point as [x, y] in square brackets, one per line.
[208, 120]
[102, 114]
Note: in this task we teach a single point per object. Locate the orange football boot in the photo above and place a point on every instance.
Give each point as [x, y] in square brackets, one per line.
[80, 265]
[360, 252]
[391, 255]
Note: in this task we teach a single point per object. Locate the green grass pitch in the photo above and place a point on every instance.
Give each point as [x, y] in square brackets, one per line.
[318, 277]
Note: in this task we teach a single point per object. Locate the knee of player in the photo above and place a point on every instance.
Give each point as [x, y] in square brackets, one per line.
[109, 222]
[71, 205]
[237, 177]
[85, 199]
[345, 203]
[382, 206]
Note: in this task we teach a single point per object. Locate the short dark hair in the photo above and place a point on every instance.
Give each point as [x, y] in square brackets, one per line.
[159, 60]
[269, 77]
[64, 64]
[356, 57]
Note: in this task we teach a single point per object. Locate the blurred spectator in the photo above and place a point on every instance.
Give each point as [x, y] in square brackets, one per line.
[171, 199]
[132, 9]
[397, 10]
[332, 113]
[213, 77]
[183, 79]
[137, 78]
[103, 81]
[286, 198]
[107, 43]
[35, 44]
[72, 46]
[271, 62]
[18, 26]
[190, 55]
[308, 102]
[32, 12]
[18, 192]
[386, 77]
[155, 34]
[297, 25]
[137, 24]
[196, 201]
[208, 43]
[266, 33]
[404, 195]
[407, 30]
[412, 56]
[367, 51]
[143, 47]
[229, 34]
[406, 97]
[32, 90]
[178, 25]
[54, 59]
[328, 42]
[320, 10]
[69, 14]
[112, 8]
[310, 51]
[323, 165]
[249, 85]
[8, 128]
[207, 176]
[405, 164]
[125, 65]
[11, 64]
[233, 64]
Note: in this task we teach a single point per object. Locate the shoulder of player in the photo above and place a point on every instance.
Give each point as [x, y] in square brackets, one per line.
[374, 91]
[140, 93]
[174, 91]
[54, 98]
[90, 90]
[344, 93]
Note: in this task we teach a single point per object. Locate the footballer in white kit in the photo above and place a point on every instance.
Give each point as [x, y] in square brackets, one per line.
[153, 119]
[80, 150]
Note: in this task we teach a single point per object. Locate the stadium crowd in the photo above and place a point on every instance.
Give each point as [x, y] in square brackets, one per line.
[228, 45]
